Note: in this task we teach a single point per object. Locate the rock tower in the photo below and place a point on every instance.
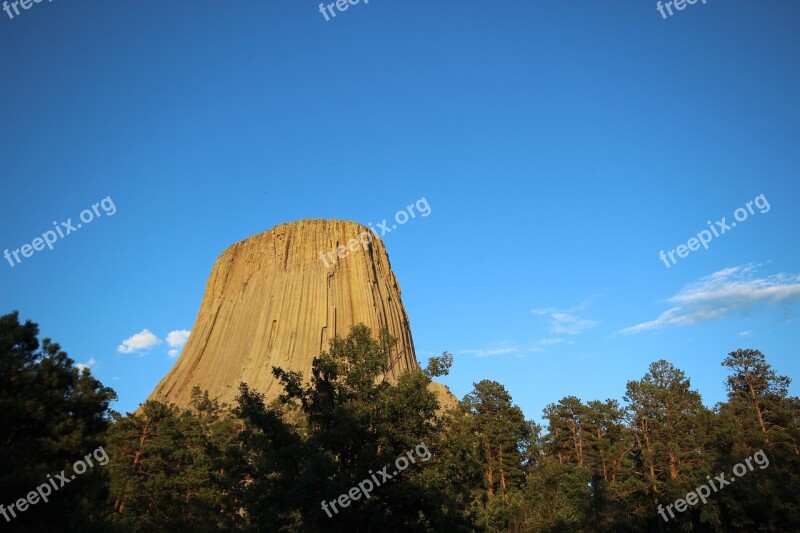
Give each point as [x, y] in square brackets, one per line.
[277, 298]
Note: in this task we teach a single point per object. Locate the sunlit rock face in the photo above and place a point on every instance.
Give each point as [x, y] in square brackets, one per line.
[277, 298]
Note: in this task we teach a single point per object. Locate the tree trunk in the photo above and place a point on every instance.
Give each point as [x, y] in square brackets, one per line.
[502, 473]
[489, 474]
[756, 404]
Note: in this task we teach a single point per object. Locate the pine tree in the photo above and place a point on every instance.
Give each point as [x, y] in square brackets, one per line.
[501, 431]
[671, 429]
[51, 415]
[174, 468]
[759, 416]
[349, 420]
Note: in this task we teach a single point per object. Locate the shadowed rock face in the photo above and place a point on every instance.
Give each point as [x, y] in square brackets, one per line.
[272, 301]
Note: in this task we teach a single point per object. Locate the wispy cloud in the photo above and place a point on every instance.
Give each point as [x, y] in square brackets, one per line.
[560, 322]
[512, 348]
[490, 351]
[566, 322]
[728, 291]
[140, 341]
[497, 348]
[549, 342]
[745, 333]
[541, 344]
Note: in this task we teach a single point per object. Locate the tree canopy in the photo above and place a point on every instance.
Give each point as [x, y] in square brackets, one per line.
[350, 448]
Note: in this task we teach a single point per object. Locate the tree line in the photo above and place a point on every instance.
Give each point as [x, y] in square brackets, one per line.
[596, 466]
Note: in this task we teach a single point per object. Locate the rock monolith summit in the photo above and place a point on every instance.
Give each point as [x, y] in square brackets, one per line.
[276, 299]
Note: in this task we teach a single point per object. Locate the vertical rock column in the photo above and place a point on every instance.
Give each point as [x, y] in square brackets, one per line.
[272, 301]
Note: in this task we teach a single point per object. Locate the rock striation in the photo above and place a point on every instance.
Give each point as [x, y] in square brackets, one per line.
[277, 298]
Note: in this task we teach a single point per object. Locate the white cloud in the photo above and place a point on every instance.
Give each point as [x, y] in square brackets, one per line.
[541, 344]
[728, 291]
[177, 338]
[490, 351]
[173, 353]
[509, 347]
[561, 323]
[745, 333]
[141, 341]
[90, 363]
[566, 322]
[548, 342]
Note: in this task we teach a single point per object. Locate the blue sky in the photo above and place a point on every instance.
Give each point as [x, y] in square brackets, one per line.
[560, 149]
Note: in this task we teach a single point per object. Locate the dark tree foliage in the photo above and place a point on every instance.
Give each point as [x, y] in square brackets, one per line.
[759, 415]
[499, 429]
[51, 415]
[175, 469]
[597, 466]
[350, 421]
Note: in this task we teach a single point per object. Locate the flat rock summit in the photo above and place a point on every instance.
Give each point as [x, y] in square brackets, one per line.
[277, 298]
